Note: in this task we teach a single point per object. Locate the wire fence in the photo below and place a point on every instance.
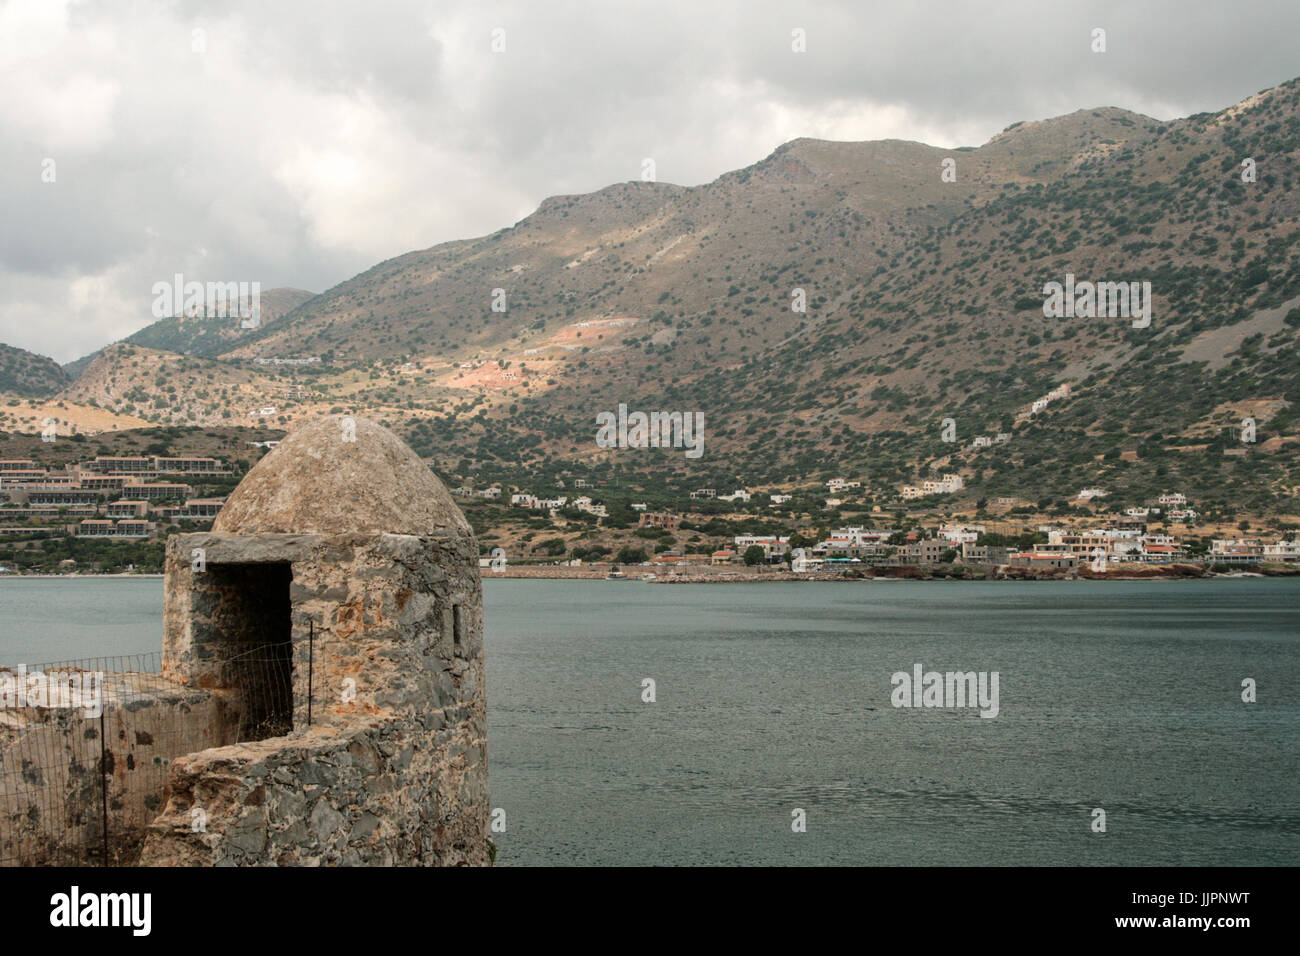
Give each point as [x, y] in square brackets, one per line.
[263, 679]
[86, 746]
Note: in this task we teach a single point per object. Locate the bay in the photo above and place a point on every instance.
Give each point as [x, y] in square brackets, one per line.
[773, 698]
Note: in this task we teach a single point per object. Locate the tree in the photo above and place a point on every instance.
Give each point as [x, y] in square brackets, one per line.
[754, 554]
[631, 556]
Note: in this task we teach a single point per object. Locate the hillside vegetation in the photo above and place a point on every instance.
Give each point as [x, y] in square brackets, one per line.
[924, 303]
[28, 374]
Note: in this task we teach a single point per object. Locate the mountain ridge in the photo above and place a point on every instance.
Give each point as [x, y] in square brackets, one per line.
[923, 303]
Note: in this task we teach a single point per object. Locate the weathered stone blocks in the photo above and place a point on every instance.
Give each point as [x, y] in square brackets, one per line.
[338, 592]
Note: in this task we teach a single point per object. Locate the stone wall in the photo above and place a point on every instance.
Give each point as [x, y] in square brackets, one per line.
[322, 674]
[387, 665]
[56, 763]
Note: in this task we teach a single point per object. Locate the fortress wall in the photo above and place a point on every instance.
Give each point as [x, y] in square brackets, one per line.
[393, 769]
[52, 759]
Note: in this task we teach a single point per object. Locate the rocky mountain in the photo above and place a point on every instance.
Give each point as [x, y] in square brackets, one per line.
[203, 336]
[847, 307]
[28, 374]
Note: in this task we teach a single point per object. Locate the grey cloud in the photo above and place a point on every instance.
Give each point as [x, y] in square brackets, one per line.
[314, 139]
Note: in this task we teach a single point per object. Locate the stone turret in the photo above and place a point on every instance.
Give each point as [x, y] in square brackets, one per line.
[335, 614]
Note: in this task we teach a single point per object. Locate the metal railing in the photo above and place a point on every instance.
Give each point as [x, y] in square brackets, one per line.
[86, 746]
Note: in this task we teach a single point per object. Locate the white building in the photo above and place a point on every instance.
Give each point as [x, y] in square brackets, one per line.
[946, 485]
[1061, 391]
[854, 537]
[961, 533]
[1282, 551]
[1174, 499]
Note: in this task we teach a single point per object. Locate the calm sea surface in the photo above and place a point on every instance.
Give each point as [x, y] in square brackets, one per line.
[1124, 696]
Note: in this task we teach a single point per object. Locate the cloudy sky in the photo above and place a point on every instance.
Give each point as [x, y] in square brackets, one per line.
[298, 143]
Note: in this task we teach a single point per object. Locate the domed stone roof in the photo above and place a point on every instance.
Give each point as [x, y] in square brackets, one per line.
[314, 482]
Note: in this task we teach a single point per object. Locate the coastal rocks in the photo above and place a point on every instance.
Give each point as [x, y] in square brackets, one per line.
[903, 573]
[1278, 570]
[1006, 572]
[1146, 571]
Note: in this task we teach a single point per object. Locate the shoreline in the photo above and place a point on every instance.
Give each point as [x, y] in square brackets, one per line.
[1179, 572]
[1174, 572]
[77, 575]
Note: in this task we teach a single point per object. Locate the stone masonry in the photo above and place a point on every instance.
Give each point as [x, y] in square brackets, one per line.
[322, 675]
[341, 562]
